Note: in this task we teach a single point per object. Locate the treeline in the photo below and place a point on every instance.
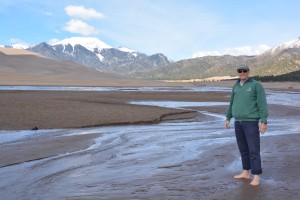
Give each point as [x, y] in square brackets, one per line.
[292, 76]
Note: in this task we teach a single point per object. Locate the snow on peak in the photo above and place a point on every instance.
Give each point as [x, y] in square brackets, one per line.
[125, 49]
[87, 42]
[295, 43]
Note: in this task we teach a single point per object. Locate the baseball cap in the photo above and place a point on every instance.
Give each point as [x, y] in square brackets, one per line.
[243, 67]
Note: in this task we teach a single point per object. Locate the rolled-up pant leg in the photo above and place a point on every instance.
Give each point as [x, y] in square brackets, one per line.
[248, 140]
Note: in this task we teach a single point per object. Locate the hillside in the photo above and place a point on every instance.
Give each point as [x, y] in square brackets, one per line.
[268, 64]
[196, 68]
[21, 67]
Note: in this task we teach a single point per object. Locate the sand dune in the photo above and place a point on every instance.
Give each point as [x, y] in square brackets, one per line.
[11, 51]
[21, 67]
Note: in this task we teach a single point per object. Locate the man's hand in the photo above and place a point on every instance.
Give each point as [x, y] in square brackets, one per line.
[262, 128]
[227, 124]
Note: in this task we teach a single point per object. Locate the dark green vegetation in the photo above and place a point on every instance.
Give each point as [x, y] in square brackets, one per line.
[293, 76]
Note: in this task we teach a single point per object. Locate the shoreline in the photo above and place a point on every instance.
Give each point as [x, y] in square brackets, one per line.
[26, 109]
[76, 109]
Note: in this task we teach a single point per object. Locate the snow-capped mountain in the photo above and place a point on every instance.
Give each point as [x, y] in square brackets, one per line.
[87, 42]
[93, 52]
[295, 43]
[71, 45]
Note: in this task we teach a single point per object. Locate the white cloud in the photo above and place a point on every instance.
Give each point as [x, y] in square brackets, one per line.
[18, 43]
[52, 41]
[246, 50]
[235, 51]
[83, 13]
[206, 53]
[167, 27]
[78, 26]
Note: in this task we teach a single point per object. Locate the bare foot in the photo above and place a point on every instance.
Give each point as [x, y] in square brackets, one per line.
[255, 181]
[245, 174]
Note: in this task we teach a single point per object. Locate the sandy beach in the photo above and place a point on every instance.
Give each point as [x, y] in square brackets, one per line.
[207, 177]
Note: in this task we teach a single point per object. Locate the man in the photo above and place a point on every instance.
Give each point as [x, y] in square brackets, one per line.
[248, 106]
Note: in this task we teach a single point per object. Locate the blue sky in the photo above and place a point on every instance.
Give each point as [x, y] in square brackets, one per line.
[180, 29]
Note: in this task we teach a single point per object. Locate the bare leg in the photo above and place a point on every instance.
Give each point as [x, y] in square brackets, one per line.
[245, 174]
[255, 181]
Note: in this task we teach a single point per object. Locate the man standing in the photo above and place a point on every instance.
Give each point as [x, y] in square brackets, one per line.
[248, 106]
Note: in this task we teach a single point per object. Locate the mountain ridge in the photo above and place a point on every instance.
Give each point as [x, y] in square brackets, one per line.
[281, 59]
[92, 52]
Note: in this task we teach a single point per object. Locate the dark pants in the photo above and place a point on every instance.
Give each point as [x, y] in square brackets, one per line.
[248, 140]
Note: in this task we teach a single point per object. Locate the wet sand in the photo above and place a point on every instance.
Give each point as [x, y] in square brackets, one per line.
[209, 177]
[40, 149]
[23, 110]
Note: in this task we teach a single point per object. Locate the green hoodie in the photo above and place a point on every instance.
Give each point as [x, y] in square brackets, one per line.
[248, 102]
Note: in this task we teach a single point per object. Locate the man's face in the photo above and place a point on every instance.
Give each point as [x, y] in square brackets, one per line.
[243, 74]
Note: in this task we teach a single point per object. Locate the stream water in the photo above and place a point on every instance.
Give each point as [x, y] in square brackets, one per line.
[123, 155]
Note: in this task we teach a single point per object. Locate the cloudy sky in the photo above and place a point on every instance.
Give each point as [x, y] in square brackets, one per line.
[180, 29]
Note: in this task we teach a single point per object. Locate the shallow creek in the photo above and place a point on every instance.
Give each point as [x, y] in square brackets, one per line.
[123, 156]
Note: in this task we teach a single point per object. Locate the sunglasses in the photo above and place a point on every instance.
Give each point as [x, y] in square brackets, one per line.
[242, 70]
